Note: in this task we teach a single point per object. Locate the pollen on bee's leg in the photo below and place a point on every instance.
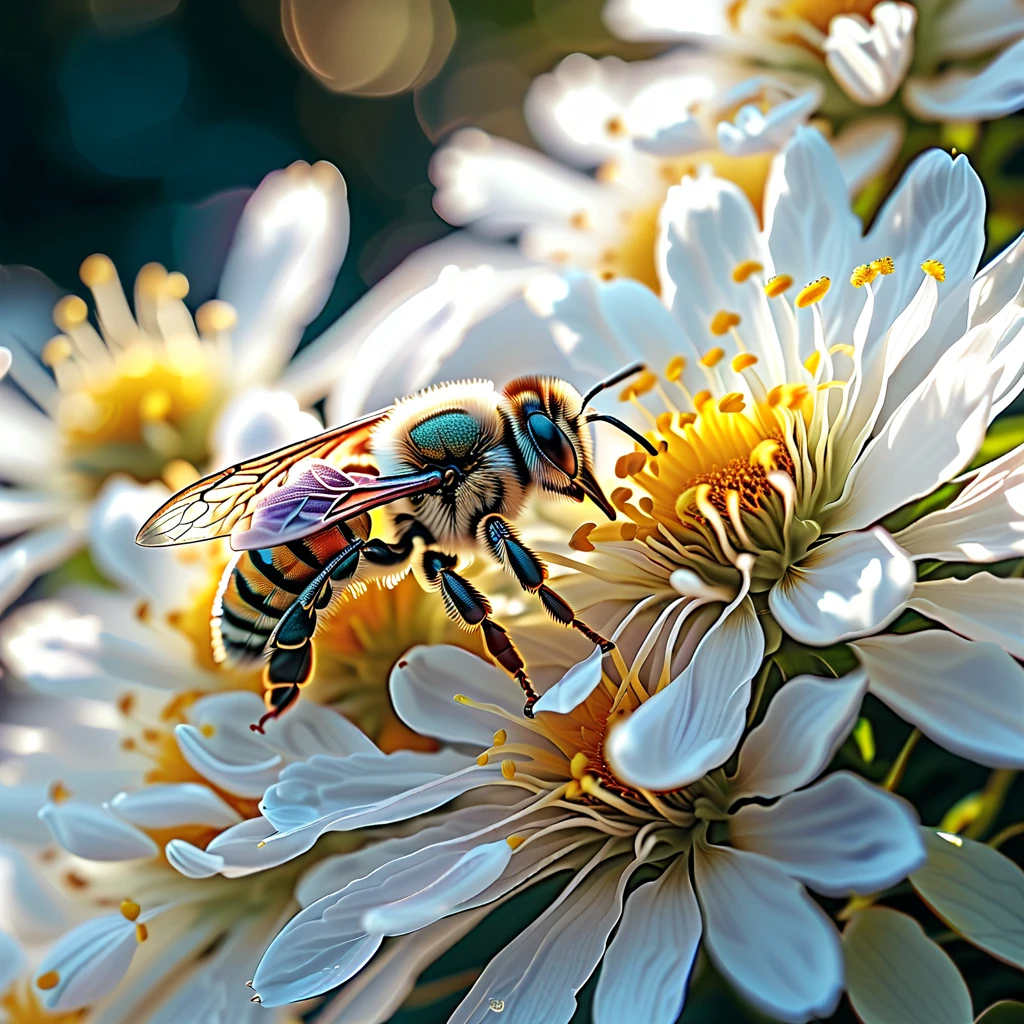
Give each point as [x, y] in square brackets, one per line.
[933, 268]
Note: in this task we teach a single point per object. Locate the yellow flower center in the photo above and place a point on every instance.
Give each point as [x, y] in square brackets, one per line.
[142, 391]
[19, 1005]
[818, 13]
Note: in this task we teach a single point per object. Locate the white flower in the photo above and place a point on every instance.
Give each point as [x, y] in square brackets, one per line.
[541, 798]
[872, 50]
[793, 421]
[643, 125]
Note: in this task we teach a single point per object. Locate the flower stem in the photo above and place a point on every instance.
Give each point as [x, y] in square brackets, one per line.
[1006, 834]
[899, 766]
[759, 686]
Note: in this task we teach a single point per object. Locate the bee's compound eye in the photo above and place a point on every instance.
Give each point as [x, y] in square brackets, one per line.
[552, 443]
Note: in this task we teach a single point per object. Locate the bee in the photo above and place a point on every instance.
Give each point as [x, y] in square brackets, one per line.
[451, 467]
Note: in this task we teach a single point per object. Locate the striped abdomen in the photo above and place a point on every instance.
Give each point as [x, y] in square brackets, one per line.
[259, 587]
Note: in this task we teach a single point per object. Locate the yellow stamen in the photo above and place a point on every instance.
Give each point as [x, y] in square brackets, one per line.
[70, 312]
[675, 368]
[884, 265]
[712, 357]
[633, 462]
[778, 284]
[508, 768]
[742, 361]
[578, 765]
[515, 841]
[723, 321]
[812, 293]
[700, 398]
[130, 909]
[215, 316]
[57, 350]
[863, 275]
[141, 933]
[615, 126]
[176, 285]
[51, 979]
[482, 759]
[261, 844]
[579, 542]
[826, 384]
[499, 737]
[155, 405]
[743, 270]
[580, 220]
[573, 791]
[933, 268]
[812, 362]
[640, 385]
[764, 454]
[59, 793]
[208, 729]
[846, 350]
[96, 270]
[627, 531]
[732, 402]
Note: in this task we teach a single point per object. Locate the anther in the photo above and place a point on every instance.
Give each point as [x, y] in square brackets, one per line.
[508, 768]
[59, 793]
[96, 270]
[933, 268]
[663, 424]
[620, 496]
[579, 541]
[176, 285]
[723, 321]
[640, 385]
[214, 316]
[51, 979]
[483, 759]
[57, 350]
[130, 910]
[884, 265]
[574, 790]
[842, 347]
[633, 462]
[627, 531]
[155, 405]
[675, 368]
[580, 220]
[70, 312]
[499, 737]
[812, 293]
[778, 284]
[208, 729]
[150, 278]
[461, 698]
[732, 402]
[862, 275]
[141, 933]
[515, 841]
[712, 357]
[742, 271]
[812, 362]
[742, 361]
[578, 765]
[615, 126]
[700, 398]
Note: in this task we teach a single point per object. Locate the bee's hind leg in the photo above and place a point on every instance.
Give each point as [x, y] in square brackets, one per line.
[504, 544]
[466, 604]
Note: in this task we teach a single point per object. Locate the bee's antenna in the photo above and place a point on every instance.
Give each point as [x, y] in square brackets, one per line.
[610, 382]
[625, 428]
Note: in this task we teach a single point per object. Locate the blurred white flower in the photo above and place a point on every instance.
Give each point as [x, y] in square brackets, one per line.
[540, 798]
[793, 420]
[927, 54]
[642, 125]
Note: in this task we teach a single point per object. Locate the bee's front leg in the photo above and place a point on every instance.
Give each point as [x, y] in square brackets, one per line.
[530, 572]
[467, 606]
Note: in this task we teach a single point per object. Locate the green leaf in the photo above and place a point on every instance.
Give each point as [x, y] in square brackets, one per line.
[976, 891]
[864, 737]
[894, 972]
[1004, 435]
[1003, 1012]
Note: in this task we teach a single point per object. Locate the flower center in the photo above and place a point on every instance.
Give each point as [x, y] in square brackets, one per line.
[19, 1005]
[817, 13]
[142, 391]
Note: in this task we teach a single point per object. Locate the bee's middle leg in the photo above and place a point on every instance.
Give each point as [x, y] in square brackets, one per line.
[504, 544]
[466, 604]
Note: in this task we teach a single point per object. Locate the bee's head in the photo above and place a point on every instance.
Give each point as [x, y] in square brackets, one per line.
[549, 420]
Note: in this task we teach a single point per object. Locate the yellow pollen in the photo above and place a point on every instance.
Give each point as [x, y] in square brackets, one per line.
[778, 284]
[686, 418]
[70, 312]
[812, 293]
[208, 729]
[743, 270]
[461, 698]
[155, 405]
[884, 265]
[578, 765]
[483, 759]
[56, 350]
[580, 220]
[515, 841]
[59, 793]
[574, 790]
[214, 316]
[508, 768]
[846, 350]
[812, 362]
[579, 540]
[261, 844]
[150, 279]
[130, 909]
[141, 933]
[742, 361]
[723, 321]
[499, 737]
[51, 979]
[862, 275]
[643, 383]
[933, 268]
[700, 399]
[732, 402]
[675, 368]
[96, 270]
[176, 285]
[712, 357]
[615, 126]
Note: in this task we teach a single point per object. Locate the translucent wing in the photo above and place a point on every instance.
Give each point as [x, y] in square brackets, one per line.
[218, 504]
[319, 495]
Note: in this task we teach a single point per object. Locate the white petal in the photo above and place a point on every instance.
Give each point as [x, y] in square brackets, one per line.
[537, 975]
[90, 960]
[240, 849]
[259, 421]
[985, 523]
[5, 361]
[752, 130]
[285, 255]
[948, 409]
[12, 961]
[191, 861]
[992, 93]
[473, 872]
[425, 682]
[35, 553]
[574, 687]
[850, 586]
[767, 936]
[173, 804]
[870, 59]
[866, 149]
[20, 510]
[981, 607]
[977, 891]
[353, 792]
[666, 20]
[33, 441]
[243, 778]
[966, 696]
[310, 729]
[95, 834]
[895, 972]
[965, 27]
[30, 906]
[840, 836]
[694, 724]
[805, 724]
[647, 966]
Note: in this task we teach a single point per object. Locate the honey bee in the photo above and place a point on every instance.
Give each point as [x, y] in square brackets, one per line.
[450, 467]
